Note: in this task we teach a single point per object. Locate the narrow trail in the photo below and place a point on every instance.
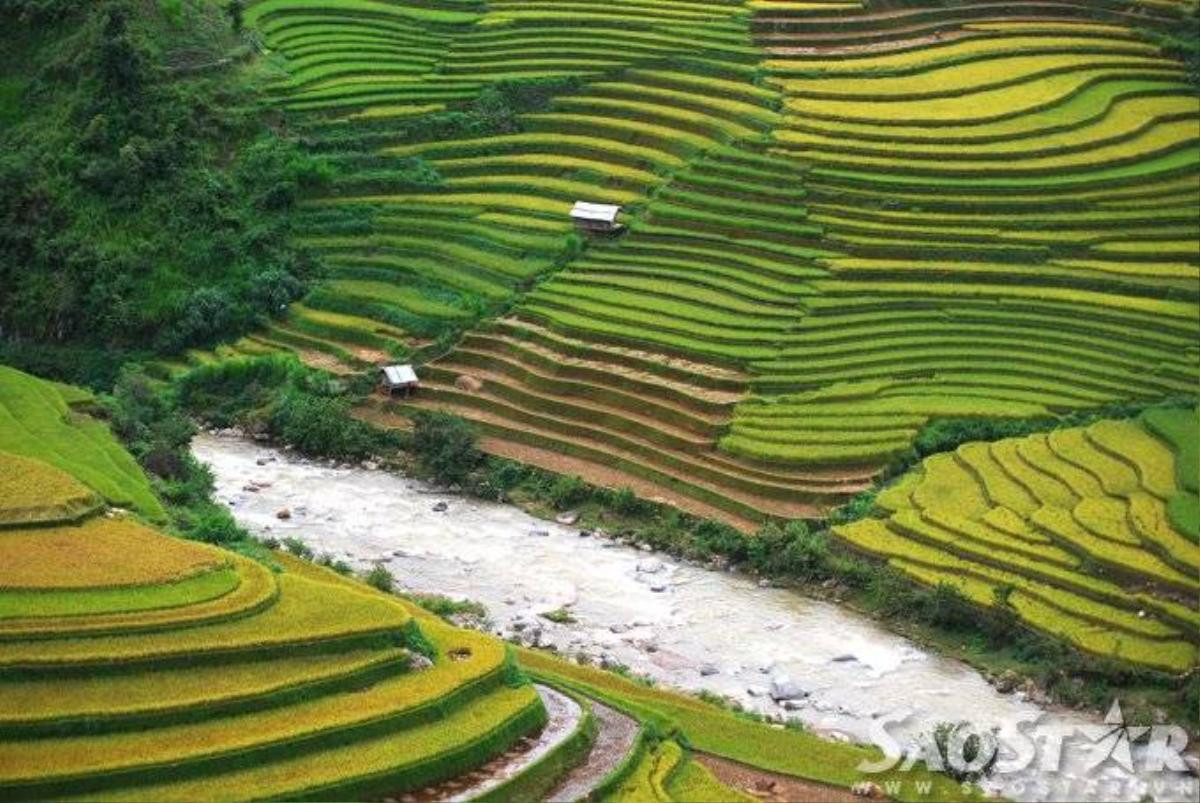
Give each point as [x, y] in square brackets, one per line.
[564, 716]
[615, 737]
[771, 786]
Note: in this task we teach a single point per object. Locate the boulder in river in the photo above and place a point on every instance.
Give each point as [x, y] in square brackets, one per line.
[283, 514]
[658, 588]
[569, 517]
[844, 658]
[441, 507]
[1007, 681]
[784, 688]
[707, 670]
[651, 566]
[540, 533]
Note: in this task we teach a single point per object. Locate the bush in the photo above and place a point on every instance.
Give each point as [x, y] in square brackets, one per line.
[380, 578]
[568, 491]
[445, 447]
[966, 755]
[298, 548]
[626, 502]
[320, 425]
[715, 538]
[215, 526]
[945, 606]
[151, 425]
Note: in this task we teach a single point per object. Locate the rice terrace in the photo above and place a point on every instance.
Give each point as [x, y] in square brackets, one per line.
[673, 401]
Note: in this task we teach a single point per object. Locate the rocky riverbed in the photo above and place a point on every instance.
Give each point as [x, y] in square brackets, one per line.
[683, 625]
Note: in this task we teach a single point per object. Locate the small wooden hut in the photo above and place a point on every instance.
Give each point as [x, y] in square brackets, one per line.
[598, 218]
[398, 377]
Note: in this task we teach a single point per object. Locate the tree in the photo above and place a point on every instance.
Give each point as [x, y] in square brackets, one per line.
[445, 446]
[235, 9]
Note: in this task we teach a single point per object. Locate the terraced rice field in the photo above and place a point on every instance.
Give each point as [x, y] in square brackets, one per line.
[1012, 190]
[309, 690]
[38, 423]
[136, 666]
[844, 220]
[1070, 529]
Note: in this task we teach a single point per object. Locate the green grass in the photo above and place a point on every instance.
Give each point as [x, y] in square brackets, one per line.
[35, 421]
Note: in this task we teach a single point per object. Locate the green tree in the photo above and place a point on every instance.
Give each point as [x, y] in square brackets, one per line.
[445, 446]
[235, 9]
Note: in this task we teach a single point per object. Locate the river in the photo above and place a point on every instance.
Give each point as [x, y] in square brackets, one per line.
[685, 626]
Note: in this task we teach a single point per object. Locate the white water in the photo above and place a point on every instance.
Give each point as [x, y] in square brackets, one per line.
[670, 623]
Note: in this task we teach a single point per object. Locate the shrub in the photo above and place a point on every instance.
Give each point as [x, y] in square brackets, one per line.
[215, 526]
[320, 425]
[445, 447]
[380, 578]
[153, 429]
[715, 538]
[945, 606]
[568, 491]
[626, 502]
[966, 755]
[298, 548]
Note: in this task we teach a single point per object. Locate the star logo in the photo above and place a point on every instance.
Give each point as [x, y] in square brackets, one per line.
[1112, 741]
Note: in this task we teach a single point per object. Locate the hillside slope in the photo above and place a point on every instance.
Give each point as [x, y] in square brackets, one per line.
[845, 221]
[137, 666]
[1069, 531]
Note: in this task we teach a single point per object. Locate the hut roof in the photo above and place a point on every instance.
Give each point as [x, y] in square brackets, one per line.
[399, 375]
[603, 213]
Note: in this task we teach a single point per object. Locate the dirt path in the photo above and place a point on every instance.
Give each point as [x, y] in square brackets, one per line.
[772, 786]
[564, 715]
[615, 736]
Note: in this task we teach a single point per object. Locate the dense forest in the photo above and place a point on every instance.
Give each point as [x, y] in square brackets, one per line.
[145, 199]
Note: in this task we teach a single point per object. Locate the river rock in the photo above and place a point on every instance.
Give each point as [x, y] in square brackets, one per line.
[618, 628]
[651, 566]
[844, 658]
[794, 705]
[645, 547]
[441, 507]
[1007, 681]
[658, 588]
[585, 533]
[540, 533]
[707, 670]
[568, 518]
[370, 465]
[784, 688]
[283, 514]
[764, 582]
